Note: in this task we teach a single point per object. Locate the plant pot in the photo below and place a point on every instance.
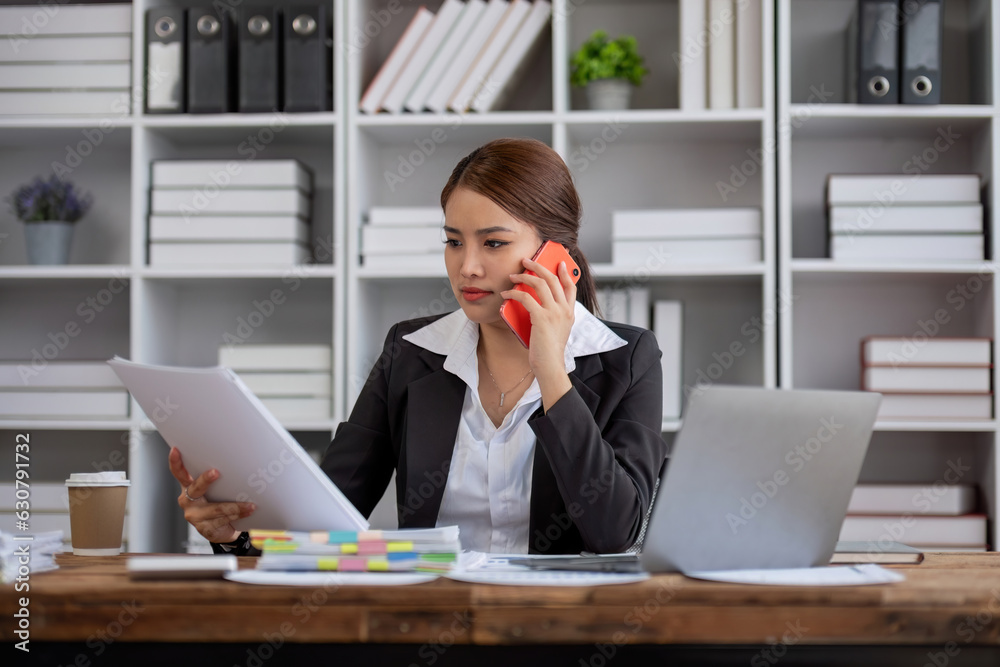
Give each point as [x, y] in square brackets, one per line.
[609, 94]
[48, 241]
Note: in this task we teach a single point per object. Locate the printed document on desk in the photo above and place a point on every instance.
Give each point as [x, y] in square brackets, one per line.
[855, 575]
[217, 422]
[475, 567]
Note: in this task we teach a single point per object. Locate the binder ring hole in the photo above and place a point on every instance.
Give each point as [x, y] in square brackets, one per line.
[304, 25]
[208, 26]
[258, 26]
[878, 86]
[921, 86]
[164, 26]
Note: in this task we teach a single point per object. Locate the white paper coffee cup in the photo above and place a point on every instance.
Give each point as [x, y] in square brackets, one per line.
[97, 512]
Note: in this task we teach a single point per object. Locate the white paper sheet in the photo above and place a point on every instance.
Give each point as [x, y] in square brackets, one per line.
[476, 567]
[216, 422]
[330, 579]
[478, 561]
[545, 577]
[854, 575]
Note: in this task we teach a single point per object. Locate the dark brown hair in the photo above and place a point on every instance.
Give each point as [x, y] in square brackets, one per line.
[531, 182]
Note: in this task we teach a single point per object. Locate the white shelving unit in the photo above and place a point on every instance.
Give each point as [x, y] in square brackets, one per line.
[163, 315]
[832, 306]
[654, 155]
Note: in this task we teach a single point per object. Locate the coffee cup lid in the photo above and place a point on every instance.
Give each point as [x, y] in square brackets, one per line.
[107, 478]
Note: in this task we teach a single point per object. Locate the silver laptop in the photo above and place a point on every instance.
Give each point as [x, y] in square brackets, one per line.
[758, 478]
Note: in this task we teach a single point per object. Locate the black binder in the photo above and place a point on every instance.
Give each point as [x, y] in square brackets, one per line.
[920, 52]
[165, 60]
[875, 53]
[259, 59]
[307, 59]
[211, 80]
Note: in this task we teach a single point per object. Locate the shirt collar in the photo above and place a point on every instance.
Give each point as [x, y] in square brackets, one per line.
[455, 336]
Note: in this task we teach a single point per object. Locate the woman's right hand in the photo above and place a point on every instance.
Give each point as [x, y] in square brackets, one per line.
[212, 520]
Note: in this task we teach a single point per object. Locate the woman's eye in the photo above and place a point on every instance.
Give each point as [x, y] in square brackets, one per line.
[452, 243]
[496, 244]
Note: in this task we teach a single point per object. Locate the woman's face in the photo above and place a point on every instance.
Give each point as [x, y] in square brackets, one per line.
[485, 244]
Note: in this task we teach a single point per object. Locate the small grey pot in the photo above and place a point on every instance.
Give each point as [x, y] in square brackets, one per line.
[48, 241]
[609, 94]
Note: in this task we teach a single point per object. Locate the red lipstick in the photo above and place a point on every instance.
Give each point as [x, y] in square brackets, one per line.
[474, 293]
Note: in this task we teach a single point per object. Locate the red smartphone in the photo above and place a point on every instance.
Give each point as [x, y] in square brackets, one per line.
[513, 313]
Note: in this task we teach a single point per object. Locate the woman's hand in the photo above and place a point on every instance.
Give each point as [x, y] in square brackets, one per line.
[212, 520]
[551, 322]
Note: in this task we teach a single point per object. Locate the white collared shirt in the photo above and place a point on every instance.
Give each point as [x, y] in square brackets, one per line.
[488, 492]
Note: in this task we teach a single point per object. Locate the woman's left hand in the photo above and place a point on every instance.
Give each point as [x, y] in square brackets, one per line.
[551, 321]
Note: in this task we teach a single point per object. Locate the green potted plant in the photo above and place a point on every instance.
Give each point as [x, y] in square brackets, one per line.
[48, 210]
[608, 69]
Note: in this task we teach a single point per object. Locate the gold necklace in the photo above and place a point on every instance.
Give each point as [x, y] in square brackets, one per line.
[504, 393]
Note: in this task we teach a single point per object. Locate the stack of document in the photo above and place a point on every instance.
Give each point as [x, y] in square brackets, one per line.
[929, 517]
[39, 389]
[921, 379]
[220, 213]
[41, 549]
[406, 550]
[403, 237]
[727, 71]
[469, 56]
[905, 217]
[66, 59]
[292, 381]
[666, 237]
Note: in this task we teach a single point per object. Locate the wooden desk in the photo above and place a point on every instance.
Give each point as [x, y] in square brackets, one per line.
[948, 604]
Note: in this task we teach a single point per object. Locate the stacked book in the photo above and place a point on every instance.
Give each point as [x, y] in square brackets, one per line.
[905, 217]
[468, 56]
[921, 379]
[61, 390]
[41, 554]
[929, 517]
[668, 325]
[403, 237]
[66, 59]
[229, 213]
[628, 305]
[652, 238]
[292, 381]
[720, 59]
[406, 550]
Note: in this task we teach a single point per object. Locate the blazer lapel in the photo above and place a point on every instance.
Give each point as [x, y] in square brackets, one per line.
[586, 368]
[433, 414]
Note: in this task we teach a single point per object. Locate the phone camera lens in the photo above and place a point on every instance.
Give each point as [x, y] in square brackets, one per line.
[576, 272]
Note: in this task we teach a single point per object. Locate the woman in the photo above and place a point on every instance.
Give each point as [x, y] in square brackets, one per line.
[551, 449]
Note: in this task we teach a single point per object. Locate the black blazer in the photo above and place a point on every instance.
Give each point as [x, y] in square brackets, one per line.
[597, 456]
